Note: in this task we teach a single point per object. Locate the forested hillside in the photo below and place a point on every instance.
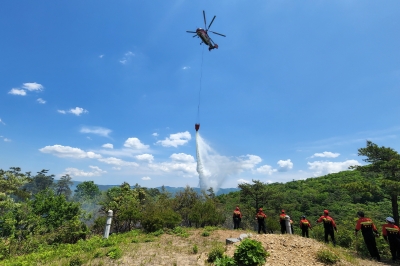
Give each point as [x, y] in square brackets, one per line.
[38, 213]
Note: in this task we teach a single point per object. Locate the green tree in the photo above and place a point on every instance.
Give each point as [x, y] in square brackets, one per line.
[384, 163]
[256, 193]
[62, 187]
[184, 202]
[87, 190]
[41, 181]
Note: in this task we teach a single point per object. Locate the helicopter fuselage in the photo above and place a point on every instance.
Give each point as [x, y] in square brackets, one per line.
[205, 38]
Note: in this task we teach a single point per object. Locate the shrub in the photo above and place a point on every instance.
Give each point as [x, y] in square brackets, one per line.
[250, 252]
[205, 233]
[326, 256]
[115, 253]
[195, 249]
[225, 261]
[75, 262]
[180, 231]
[216, 252]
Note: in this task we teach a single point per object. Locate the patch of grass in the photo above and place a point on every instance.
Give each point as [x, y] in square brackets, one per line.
[216, 252]
[327, 256]
[195, 249]
[115, 253]
[205, 233]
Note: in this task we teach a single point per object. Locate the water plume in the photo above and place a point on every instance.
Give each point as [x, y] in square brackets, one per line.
[212, 167]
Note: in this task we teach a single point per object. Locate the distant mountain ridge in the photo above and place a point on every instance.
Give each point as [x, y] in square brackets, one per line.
[172, 190]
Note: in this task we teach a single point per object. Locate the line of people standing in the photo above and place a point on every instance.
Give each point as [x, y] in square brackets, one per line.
[390, 231]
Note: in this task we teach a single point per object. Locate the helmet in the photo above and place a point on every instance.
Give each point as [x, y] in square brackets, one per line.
[304, 217]
[390, 220]
[260, 209]
[283, 211]
[326, 211]
[361, 214]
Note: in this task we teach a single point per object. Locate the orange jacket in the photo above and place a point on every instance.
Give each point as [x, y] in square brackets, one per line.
[237, 214]
[390, 231]
[261, 216]
[282, 217]
[366, 226]
[328, 221]
[304, 223]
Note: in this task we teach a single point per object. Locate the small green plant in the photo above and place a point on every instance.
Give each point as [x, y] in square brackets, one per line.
[205, 233]
[75, 262]
[327, 256]
[216, 252]
[195, 249]
[115, 253]
[98, 254]
[250, 252]
[180, 231]
[149, 239]
[135, 240]
[157, 233]
[225, 261]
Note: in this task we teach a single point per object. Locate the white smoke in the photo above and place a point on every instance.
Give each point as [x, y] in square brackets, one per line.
[212, 167]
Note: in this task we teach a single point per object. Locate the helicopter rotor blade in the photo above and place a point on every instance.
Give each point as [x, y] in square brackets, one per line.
[195, 36]
[204, 15]
[188, 31]
[211, 22]
[218, 33]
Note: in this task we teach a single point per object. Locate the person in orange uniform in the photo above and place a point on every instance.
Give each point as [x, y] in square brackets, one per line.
[282, 221]
[329, 226]
[304, 226]
[237, 217]
[260, 217]
[368, 229]
[391, 233]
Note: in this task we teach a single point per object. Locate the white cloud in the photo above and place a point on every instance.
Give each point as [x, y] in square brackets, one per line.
[249, 161]
[240, 181]
[76, 111]
[108, 146]
[285, 165]
[324, 167]
[134, 143]
[118, 162]
[126, 58]
[32, 86]
[186, 67]
[41, 101]
[101, 131]
[96, 171]
[7, 140]
[15, 91]
[187, 169]
[1, 122]
[146, 178]
[266, 169]
[155, 134]
[69, 152]
[101, 56]
[182, 157]
[176, 140]
[326, 154]
[145, 157]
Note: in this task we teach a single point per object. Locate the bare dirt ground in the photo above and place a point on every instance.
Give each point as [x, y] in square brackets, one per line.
[175, 250]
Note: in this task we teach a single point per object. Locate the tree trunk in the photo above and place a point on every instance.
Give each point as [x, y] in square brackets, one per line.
[395, 209]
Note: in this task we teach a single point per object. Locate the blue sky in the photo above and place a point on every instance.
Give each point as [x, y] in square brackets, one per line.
[108, 90]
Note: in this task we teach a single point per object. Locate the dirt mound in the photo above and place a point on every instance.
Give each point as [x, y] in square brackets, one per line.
[174, 250]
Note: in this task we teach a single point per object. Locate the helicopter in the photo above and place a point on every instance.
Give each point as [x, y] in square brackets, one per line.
[203, 34]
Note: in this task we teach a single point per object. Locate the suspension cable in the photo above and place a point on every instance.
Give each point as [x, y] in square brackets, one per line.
[201, 77]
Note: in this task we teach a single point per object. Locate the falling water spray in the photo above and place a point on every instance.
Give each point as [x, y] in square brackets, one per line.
[211, 167]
